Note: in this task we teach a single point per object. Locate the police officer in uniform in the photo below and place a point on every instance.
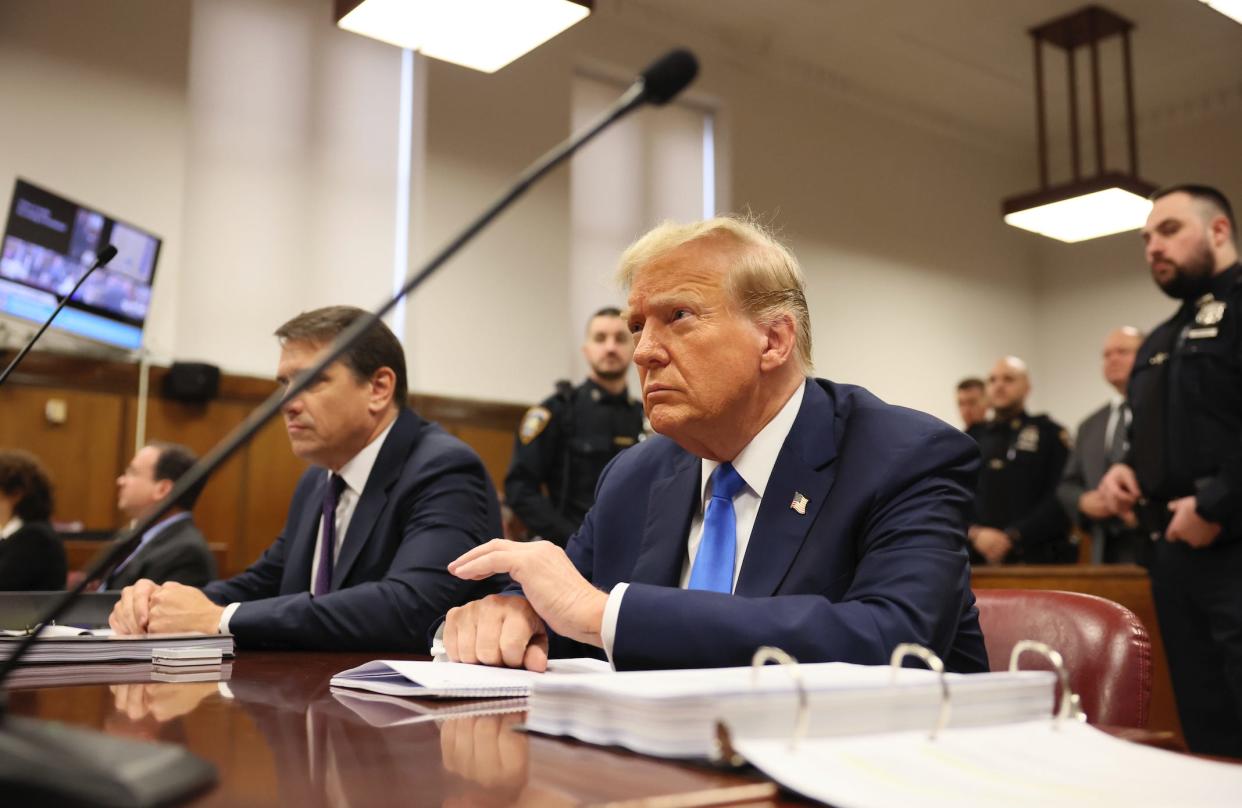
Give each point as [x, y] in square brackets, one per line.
[1183, 475]
[563, 444]
[1017, 516]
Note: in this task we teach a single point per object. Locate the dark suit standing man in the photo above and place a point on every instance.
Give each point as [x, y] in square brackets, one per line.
[173, 549]
[361, 562]
[771, 509]
[1102, 441]
[1183, 473]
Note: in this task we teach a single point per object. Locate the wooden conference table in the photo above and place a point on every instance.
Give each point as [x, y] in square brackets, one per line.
[279, 737]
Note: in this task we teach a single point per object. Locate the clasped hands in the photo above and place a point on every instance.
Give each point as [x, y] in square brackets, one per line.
[512, 630]
[150, 608]
[1121, 492]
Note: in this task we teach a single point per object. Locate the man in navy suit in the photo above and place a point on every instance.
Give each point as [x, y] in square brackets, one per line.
[361, 562]
[774, 508]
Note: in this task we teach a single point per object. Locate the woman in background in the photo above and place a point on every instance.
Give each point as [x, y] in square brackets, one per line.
[31, 555]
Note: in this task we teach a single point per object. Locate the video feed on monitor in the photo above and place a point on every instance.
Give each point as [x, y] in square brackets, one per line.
[50, 242]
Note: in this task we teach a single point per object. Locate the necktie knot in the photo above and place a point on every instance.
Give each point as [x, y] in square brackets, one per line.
[726, 482]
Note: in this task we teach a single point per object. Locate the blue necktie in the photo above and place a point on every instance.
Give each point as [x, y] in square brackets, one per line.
[713, 564]
[323, 576]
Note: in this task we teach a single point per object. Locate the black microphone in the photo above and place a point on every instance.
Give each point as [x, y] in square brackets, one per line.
[105, 255]
[668, 76]
[21, 739]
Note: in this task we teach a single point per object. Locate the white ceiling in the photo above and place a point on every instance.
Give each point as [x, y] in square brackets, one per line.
[968, 64]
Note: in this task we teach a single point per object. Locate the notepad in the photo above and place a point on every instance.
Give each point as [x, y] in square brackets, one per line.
[455, 679]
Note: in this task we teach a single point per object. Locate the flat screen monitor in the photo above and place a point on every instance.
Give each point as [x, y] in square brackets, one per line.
[49, 242]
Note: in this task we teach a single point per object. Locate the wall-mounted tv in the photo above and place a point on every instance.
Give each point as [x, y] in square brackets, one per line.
[49, 242]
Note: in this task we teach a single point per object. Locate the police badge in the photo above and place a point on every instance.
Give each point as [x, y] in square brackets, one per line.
[1210, 312]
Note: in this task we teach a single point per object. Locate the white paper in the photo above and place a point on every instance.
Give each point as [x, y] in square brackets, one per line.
[1026, 765]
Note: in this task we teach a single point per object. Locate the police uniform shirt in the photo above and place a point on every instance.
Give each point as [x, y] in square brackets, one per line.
[1186, 394]
[1023, 457]
[560, 450]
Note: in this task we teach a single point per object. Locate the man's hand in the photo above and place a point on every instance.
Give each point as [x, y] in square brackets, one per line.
[130, 614]
[1188, 526]
[1094, 505]
[1120, 489]
[176, 607]
[497, 630]
[558, 593]
[991, 543]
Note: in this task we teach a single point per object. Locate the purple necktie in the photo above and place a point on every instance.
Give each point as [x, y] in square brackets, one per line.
[323, 576]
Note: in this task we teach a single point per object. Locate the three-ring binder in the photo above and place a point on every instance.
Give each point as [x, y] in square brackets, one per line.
[1070, 706]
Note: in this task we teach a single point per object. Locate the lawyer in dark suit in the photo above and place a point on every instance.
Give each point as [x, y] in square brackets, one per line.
[32, 557]
[404, 498]
[775, 509]
[1101, 442]
[173, 549]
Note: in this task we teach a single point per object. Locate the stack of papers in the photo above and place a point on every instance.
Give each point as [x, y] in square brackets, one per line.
[103, 646]
[390, 711]
[674, 713]
[112, 673]
[456, 680]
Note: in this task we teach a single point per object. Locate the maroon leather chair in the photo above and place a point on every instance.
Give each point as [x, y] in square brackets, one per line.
[1106, 650]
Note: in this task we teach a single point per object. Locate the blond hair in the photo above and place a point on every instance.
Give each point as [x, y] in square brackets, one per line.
[764, 278]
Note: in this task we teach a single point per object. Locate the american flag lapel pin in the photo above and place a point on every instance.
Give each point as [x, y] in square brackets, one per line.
[799, 503]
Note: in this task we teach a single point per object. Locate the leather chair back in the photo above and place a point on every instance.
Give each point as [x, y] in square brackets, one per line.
[1106, 649]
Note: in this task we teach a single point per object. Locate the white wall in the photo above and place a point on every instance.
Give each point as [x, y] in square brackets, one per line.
[290, 175]
[94, 107]
[260, 142]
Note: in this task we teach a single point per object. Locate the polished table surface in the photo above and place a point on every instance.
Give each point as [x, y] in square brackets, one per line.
[280, 737]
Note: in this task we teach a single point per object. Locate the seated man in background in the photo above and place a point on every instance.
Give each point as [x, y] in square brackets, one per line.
[181, 552]
[772, 508]
[32, 557]
[361, 562]
[1017, 518]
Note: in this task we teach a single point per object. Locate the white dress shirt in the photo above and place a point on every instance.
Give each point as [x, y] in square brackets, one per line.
[14, 524]
[754, 465]
[355, 473]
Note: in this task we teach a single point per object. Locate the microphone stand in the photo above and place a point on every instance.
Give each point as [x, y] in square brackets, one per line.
[105, 255]
[28, 766]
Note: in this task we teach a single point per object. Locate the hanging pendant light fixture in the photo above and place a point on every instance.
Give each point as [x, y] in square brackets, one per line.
[482, 34]
[1109, 201]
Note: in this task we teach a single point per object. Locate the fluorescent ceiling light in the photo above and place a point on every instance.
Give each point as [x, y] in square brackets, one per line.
[482, 34]
[1091, 215]
[1230, 8]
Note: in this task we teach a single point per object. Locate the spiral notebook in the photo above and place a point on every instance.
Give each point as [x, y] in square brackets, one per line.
[455, 680]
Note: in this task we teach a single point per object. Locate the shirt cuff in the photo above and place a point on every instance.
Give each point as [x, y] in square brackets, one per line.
[438, 652]
[226, 616]
[612, 611]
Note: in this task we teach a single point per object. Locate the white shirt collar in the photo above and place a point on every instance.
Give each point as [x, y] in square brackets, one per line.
[357, 470]
[12, 526]
[755, 462]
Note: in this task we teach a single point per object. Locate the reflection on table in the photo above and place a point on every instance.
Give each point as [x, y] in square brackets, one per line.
[280, 737]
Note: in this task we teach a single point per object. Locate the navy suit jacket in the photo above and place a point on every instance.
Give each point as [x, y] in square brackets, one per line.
[427, 501]
[879, 557]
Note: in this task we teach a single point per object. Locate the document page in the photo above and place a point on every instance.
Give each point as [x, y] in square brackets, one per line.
[1026, 765]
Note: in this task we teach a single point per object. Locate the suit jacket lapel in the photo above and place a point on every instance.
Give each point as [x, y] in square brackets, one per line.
[673, 501]
[804, 466]
[387, 469]
[301, 542]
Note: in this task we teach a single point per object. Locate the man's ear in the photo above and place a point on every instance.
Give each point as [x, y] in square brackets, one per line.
[383, 388]
[780, 342]
[1219, 231]
[162, 487]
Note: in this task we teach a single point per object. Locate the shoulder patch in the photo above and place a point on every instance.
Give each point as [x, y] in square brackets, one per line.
[533, 422]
